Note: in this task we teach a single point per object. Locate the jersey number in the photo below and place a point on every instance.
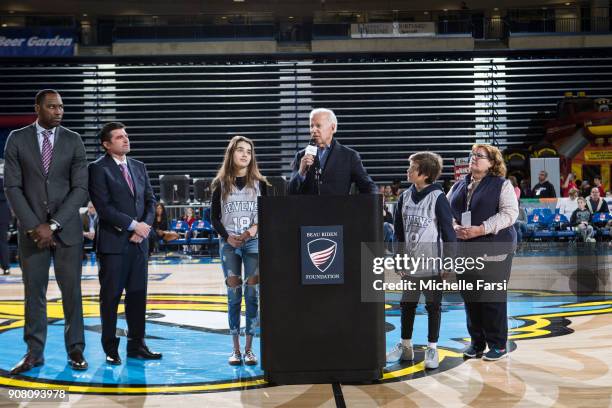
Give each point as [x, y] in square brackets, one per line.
[242, 224]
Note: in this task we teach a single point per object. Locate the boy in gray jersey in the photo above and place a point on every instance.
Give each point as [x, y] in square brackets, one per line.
[423, 221]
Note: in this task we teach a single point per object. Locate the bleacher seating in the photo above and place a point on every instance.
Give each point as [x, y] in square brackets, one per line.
[180, 111]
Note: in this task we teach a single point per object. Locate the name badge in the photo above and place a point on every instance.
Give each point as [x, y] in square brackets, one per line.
[466, 218]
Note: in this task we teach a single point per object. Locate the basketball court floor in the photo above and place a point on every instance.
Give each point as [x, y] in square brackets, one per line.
[562, 350]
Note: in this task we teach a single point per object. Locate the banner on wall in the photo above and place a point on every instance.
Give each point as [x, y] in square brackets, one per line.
[462, 167]
[36, 42]
[395, 29]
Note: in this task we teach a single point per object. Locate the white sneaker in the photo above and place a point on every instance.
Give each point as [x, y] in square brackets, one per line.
[431, 358]
[235, 358]
[250, 358]
[400, 352]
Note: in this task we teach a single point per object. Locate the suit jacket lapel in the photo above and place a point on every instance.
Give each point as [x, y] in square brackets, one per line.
[59, 144]
[32, 142]
[330, 156]
[134, 171]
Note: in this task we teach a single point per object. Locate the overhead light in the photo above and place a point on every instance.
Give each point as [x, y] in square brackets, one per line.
[84, 14]
[11, 11]
[4, 25]
[358, 15]
[444, 10]
[290, 17]
[496, 9]
[426, 12]
[568, 4]
[223, 18]
[238, 1]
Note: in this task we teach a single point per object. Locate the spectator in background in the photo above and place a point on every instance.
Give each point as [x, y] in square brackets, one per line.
[159, 227]
[525, 189]
[585, 188]
[580, 220]
[388, 230]
[521, 224]
[189, 216]
[544, 188]
[389, 193]
[90, 222]
[597, 183]
[517, 190]
[190, 219]
[567, 205]
[568, 184]
[396, 186]
[595, 203]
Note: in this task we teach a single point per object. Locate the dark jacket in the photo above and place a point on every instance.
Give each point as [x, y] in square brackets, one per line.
[579, 216]
[36, 198]
[342, 167]
[5, 211]
[483, 205]
[115, 204]
[544, 190]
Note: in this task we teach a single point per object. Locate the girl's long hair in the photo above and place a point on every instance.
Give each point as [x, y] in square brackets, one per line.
[226, 176]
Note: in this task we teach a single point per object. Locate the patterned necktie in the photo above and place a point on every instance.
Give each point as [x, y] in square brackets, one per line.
[126, 176]
[47, 150]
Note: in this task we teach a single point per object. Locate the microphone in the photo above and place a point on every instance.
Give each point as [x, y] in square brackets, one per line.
[312, 149]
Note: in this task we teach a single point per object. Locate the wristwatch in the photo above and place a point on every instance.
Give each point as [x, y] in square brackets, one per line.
[53, 227]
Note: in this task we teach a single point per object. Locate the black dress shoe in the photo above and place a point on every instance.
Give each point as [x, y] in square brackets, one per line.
[77, 361]
[27, 363]
[113, 358]
[144, 353]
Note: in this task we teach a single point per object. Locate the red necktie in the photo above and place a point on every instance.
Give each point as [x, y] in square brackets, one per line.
[126, 176]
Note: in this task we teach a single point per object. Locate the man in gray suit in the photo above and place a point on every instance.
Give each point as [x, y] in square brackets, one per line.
[45, 180]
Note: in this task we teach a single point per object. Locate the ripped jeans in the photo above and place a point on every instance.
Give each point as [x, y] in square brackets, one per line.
[231, 261]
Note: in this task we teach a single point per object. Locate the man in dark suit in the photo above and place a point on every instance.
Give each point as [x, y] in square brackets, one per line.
[5, 220]
[120, 190]
[45, 180]
[333, 168]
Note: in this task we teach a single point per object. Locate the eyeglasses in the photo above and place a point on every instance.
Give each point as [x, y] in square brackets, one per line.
[477, 156]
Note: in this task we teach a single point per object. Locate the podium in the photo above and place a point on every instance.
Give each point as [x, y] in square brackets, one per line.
[312, 330]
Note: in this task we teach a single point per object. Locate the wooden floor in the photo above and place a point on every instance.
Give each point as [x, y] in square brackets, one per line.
[568, 370]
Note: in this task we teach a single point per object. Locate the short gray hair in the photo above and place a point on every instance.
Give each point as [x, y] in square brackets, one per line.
[330, 114]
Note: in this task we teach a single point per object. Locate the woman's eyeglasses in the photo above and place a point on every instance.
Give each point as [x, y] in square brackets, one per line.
[478, 156]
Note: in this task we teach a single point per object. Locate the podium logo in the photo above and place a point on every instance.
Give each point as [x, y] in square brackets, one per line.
[322, 253]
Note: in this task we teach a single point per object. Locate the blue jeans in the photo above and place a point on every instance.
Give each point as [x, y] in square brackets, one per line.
[231, 261]
[389, 236]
